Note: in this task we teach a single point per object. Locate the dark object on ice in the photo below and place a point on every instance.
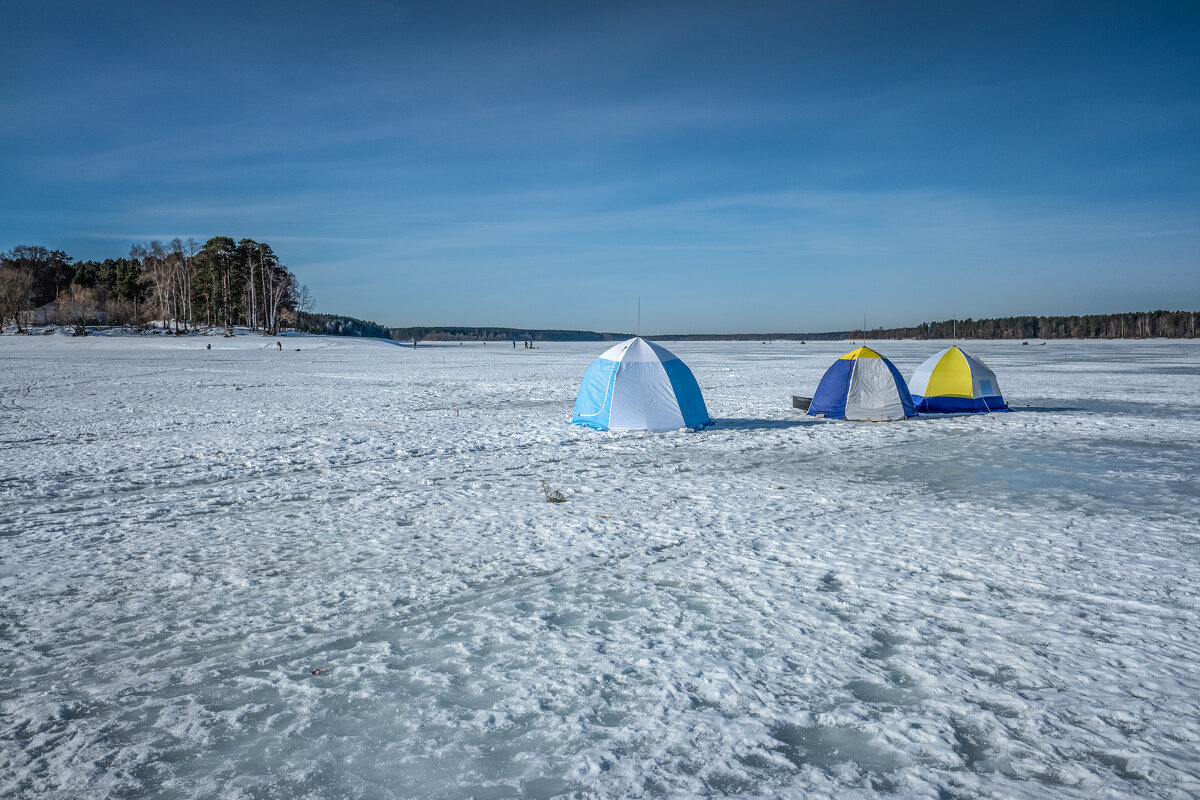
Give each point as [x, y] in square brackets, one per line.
[553, 495]
[801, 403]
[208, 346]
[297, 349]
[318, 671]
[280, 346]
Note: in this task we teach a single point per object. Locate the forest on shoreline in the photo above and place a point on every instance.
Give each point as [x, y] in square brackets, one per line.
[181, 285]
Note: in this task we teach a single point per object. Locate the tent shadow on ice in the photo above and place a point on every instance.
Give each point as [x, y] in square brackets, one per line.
[862, 385]
[952, 381]
[747, 424]
[639, 386]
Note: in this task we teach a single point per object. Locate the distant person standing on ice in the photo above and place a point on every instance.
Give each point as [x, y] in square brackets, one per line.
[280, 346]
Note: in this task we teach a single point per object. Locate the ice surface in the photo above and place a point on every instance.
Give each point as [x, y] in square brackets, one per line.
[995, 606]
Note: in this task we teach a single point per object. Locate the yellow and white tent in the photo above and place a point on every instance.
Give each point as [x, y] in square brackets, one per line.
[955, 382]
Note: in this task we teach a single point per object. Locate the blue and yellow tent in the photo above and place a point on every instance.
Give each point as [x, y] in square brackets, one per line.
[955, 382]
[862, 385]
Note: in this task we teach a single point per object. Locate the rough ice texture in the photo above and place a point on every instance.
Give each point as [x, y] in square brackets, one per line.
[973, 607]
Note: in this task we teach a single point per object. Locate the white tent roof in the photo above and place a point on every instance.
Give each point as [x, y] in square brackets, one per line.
[637, 350]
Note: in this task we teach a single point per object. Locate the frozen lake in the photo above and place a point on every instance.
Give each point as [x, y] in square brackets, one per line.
[997, 606]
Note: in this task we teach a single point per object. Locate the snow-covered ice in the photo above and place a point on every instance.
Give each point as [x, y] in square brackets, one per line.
[997, 606]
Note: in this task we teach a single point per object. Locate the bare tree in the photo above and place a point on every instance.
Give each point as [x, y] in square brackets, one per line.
[179, 282]
[190, 248]
[121, 312]
[77, 307]
[156, 270]
[138, 252]
[160, 278]
[16, 295]
[281, 286]
[251, 248]
[304, 302]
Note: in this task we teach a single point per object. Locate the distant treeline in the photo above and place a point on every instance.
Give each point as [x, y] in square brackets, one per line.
[488, 334]
[1137, 325]
[337, 325]
[1152, 324]
[750, 337]
[184, 284]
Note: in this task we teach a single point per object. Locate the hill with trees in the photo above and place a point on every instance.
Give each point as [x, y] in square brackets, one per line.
[180, 284]
[338, 325]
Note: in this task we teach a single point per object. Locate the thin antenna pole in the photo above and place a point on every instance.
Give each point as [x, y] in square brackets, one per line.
[639, 327]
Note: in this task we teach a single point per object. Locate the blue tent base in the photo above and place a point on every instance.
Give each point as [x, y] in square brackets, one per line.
[588, 424]
[959, 405]
[599, 427]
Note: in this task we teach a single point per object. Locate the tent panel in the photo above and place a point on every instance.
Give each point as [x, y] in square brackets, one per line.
[910, 408]
[649, 351]
[594, 401]
[985, 383]
[830, 397]
[687, 393]
[643, 399]
[617, 351]
[951, 377]
[873, 393]
[920, 379]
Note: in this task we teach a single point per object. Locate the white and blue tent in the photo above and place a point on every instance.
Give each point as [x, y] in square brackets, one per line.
[639, 386]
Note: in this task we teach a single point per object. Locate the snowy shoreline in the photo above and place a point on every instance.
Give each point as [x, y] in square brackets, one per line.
[992, 606]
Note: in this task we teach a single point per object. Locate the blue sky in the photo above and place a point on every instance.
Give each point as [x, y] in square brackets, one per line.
[738, 166]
